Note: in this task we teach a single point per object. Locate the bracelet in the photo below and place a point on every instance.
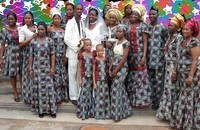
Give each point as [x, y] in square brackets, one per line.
[190, 77]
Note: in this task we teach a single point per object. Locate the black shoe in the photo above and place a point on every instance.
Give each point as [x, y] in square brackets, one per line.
[41, 115]
[53, 115]
[74, 102]
[155, 107]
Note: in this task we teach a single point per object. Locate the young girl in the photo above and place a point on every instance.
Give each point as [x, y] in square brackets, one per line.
[100, 85]
[120, 103]
[42, 64]
[84, 103]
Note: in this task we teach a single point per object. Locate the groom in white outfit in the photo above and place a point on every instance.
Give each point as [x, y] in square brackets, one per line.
[74, 32]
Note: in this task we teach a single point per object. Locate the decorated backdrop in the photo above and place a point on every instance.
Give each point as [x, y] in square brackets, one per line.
[41, 8]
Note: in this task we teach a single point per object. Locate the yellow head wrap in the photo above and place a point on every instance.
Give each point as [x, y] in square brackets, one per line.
[55, 11]
[116, 12]
[140, 9]
[178, 20]
[131, 2]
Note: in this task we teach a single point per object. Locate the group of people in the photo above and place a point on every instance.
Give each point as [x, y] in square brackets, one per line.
[106, 65]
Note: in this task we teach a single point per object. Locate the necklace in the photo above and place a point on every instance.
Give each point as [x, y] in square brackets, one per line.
[93, 22]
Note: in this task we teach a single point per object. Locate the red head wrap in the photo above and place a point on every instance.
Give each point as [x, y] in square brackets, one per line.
[193, 25]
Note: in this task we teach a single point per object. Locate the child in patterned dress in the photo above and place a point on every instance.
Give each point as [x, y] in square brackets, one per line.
[100, 85]
[84, 103]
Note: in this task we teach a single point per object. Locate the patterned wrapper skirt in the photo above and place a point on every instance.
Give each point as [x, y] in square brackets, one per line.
[186, 114]
[120, 103]
[139, 88]
[169, 96]
[85, 100]
[102, 101]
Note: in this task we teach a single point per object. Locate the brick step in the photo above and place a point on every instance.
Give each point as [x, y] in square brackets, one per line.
[22, 124]
[69, 108]
[7, 102]
[18, 116]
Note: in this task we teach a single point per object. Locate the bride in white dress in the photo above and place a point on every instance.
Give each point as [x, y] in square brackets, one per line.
[96, 29]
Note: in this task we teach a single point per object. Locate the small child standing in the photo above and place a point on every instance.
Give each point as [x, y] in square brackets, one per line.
[84, 103]
[100, 85]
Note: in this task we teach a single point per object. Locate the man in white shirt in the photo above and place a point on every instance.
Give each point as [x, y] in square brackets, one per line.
[74, 32]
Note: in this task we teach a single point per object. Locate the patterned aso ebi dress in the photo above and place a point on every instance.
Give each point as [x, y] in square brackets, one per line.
[171, 89]
[85, 100]
[61, 75]
[120, 103]
[186, 114]
[42, 88]
[24, 34]
[138, 83]
[101, 98]
[12, 59]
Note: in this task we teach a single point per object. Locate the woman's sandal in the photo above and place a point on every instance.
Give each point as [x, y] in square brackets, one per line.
[17, 99]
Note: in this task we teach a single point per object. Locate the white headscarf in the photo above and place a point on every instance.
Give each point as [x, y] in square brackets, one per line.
[55, 11]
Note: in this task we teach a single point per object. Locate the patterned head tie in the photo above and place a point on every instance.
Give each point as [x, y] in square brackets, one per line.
[55, 11]
[116, 12]
[178, 20]
[193, 25]
[123, 27]
[141, 10]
